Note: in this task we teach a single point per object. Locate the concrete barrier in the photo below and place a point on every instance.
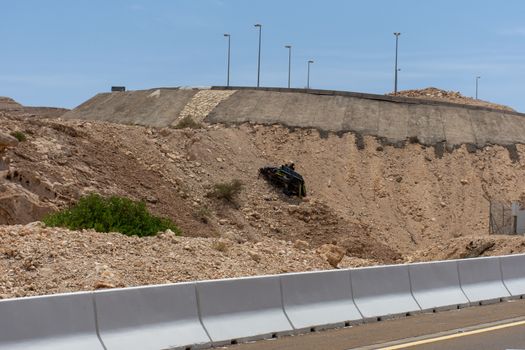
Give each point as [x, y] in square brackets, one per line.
[481, 280]
[319, 299]
[513, 272]
[242, 309]
[154, 317]
[435, 285]
[383, 291]
[57, 322]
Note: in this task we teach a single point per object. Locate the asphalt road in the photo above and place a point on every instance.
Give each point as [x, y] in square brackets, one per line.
[497, 326]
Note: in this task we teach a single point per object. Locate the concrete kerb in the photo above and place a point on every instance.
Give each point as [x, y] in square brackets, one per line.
[243, 309]
[319, 300]
[56, 322]
[513, 273]
[153, 317]
[382, 292]
[481, 280]
[436, 286]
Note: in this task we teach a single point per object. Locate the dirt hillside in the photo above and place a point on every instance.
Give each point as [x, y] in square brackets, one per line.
[368, 202]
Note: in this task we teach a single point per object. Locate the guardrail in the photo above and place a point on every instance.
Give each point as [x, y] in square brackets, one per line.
[210, 313]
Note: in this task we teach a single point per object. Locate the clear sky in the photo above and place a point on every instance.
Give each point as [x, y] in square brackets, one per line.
[62, 52]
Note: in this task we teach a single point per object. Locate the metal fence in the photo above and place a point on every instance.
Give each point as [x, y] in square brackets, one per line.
[501, 221]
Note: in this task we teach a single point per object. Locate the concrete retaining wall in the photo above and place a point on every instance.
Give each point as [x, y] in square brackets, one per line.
[395, 119]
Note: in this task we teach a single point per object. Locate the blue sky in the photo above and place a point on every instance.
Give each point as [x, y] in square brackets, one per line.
[62, 52]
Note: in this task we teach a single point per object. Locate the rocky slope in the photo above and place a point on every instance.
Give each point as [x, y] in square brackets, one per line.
[368, 202]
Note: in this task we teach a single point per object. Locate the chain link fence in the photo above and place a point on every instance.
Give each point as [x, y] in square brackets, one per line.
[501, 221]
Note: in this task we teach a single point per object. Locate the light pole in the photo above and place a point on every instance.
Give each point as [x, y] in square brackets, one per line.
[289, 47]
[397, 34]
[477, 79]
[259, 56]
[228, 75]
[308, 74]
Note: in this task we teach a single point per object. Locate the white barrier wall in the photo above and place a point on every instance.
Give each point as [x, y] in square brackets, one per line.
[435, 285]
[513, 272]
[144, 318]
[242, 309]
[383, 291]
[319, 299]
[60, 322]
[481, 279]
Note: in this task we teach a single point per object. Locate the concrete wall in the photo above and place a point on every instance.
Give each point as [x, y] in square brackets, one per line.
[155, 107]
[395, 119]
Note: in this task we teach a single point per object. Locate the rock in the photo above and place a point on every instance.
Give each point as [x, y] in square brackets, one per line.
[7, 141]
[254, 255]
[103, 285]
[464, 181]
[300, 244]
[223, 221]
[331, 253]
[8, 104]
[151, 199]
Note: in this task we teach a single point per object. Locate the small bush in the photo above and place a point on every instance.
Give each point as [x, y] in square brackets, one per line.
[188, 122]
[227, 191]
[113, 214]
[202, 214]
[20, 136]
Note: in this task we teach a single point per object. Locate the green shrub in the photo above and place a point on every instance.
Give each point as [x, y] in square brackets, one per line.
[113, 214]
[20, 136]
[227, 191]
[188, 122]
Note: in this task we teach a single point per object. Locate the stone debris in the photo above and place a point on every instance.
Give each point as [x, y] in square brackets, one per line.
[203, 103]
[433, 93]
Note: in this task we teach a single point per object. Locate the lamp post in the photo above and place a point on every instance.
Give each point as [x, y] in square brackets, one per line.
[477, 79]
[259, 56]
[229, 45]
[289, 47]
[397, 34]
[308, 74]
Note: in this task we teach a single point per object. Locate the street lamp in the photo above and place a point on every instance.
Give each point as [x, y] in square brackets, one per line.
[308, 74]
[259, 56]
[289, 47]
[477, 79]
[397, 34]
[228, 75]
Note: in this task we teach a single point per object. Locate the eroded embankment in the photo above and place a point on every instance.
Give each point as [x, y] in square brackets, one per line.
[374, 201]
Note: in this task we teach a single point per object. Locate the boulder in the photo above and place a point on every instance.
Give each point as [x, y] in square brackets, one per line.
[7, 140]
[331, 253]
